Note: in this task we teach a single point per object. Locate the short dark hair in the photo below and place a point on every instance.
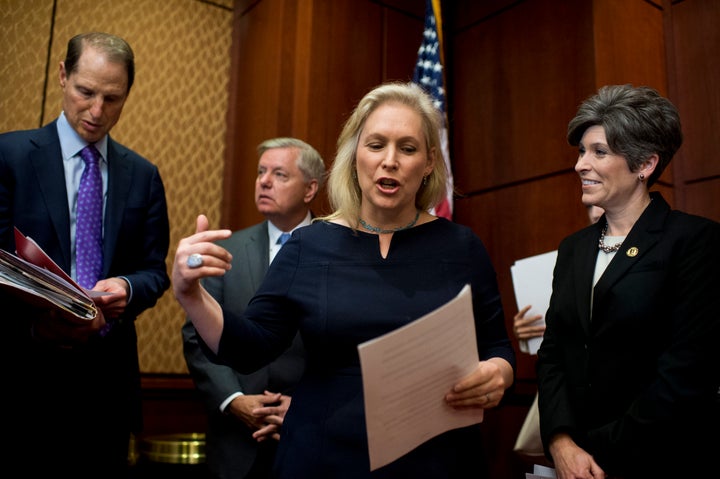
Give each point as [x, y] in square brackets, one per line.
[638, 123]
[116, 49]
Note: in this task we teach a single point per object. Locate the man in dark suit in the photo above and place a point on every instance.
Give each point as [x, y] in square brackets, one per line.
[78, 398]
[245, 412]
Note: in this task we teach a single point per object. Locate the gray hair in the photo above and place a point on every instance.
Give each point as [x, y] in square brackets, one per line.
[638, 123]
[310, 163]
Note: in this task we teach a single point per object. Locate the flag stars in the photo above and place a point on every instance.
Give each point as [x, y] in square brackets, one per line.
[430, 34]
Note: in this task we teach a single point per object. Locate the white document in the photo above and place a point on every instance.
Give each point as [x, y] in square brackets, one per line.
[406, 374]
[541, 472]
[532, 281]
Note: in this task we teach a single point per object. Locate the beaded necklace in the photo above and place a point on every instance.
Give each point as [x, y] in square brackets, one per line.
[377, 230]
[603, 246]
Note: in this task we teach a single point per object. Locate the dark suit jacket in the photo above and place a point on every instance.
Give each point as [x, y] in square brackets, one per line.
[231, 450]
[73, 388]
[637, 385]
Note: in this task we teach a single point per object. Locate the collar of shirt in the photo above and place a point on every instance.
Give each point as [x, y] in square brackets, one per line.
[71, 143]
[274, 232]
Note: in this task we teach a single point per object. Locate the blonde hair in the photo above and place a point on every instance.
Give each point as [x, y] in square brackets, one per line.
[343, 188]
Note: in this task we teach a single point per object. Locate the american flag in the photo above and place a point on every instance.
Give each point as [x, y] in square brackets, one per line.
[429, 74]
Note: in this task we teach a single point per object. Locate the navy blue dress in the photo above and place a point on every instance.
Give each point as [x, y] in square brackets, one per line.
[333, 285]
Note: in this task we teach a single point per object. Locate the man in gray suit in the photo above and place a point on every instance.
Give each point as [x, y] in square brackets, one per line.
[245, 412]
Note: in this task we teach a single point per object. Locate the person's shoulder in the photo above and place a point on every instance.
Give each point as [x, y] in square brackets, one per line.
[320, 226]
[120, 151]
[251, 231]
[323, 234]
[691, 224]
[444, 226]
[37, 136]
[448, 235]
[14, 135]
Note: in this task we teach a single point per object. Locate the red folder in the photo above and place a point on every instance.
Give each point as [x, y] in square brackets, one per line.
[36, 279]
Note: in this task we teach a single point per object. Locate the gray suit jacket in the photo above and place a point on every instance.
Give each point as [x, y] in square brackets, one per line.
[231, 450]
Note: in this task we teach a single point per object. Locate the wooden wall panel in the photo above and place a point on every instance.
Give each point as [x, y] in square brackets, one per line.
[695, 55]
[460, 15]
[516, 80]
[702, 198]
[629, 43]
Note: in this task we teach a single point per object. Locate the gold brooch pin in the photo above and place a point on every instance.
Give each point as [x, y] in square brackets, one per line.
[632, 252]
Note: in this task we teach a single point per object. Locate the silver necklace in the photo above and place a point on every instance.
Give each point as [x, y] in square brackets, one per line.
[603, 246]
[377, 230]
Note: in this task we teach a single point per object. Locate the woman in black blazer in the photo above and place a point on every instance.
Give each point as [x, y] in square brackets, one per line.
[628, 371]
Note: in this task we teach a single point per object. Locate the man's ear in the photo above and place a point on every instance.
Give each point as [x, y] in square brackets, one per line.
[311, 190]
[62, 75]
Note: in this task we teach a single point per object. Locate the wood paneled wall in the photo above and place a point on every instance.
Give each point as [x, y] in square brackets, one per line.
[516, 72]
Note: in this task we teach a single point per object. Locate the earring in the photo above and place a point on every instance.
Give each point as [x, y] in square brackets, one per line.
[424, 182]
[641, 177]
[354, 175]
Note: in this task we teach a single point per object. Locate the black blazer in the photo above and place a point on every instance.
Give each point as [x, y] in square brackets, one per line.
[231, 450]
[104, 375]
[636, 384]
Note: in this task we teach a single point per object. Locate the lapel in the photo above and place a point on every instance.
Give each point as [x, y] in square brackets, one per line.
[641, 239]
[119, 187]
[257, 255]
[583, 266]
[47, 163]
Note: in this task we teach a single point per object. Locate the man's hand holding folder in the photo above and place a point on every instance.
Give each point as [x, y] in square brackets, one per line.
[66, 313]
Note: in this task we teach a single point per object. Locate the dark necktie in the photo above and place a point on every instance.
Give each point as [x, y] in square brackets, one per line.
[88, 232]
[283, 238]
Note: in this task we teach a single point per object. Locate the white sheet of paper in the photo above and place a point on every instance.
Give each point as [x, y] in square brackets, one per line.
[406, 374]
[532, 282]
[541, 472]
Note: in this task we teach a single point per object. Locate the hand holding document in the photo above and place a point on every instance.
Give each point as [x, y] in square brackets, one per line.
[532, 282]
[406, 374]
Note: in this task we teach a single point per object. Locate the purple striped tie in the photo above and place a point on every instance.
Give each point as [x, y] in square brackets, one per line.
[88, 232]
